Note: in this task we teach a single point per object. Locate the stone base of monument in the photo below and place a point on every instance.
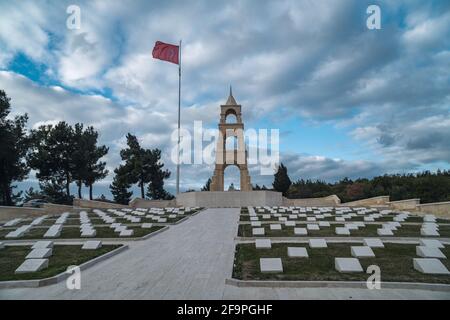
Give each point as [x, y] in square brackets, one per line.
[229, 199]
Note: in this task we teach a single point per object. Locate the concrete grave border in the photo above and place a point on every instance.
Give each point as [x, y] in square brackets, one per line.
[335, 284]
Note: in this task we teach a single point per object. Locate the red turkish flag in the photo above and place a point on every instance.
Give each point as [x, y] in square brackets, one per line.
[166, 52]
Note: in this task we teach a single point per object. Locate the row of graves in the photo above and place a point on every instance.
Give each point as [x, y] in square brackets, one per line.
[22, 260]
[341, 221]
[340, 243]
[111, 223]
[43, 258]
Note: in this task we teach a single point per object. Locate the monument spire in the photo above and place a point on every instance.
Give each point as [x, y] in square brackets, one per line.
[231, 101]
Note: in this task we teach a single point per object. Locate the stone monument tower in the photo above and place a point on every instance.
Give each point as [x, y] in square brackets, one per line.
[237, 156]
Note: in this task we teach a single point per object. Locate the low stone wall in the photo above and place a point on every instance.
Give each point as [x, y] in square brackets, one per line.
[51, 208]
[144, 203]
[230, 199]
[439, 209]
[408, 204]
[375, 201]
[92, 204]
[9, 213]
[329, 201]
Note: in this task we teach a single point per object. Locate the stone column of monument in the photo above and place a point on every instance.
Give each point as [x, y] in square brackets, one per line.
[236, 157]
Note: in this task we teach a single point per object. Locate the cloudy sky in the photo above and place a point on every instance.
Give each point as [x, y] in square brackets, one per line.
[348, 101]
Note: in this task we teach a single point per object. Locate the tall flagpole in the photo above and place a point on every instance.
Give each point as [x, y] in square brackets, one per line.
[179, 114]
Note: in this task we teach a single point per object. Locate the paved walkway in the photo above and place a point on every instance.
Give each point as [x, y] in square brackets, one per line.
[191, 260]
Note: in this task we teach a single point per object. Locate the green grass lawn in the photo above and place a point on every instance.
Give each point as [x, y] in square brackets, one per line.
[11, 257]
[395, 262]
[370, 230]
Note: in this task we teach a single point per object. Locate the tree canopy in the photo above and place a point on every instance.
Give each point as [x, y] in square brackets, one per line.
[13, 149]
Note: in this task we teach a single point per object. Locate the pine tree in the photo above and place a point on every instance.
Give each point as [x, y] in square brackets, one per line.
[52, 155]
[155, 188]
[119, 188]
[281, 181]
[95, 169]
[14, 145]
[207, 186]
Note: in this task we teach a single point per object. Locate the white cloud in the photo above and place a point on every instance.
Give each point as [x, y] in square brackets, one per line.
[285, 59]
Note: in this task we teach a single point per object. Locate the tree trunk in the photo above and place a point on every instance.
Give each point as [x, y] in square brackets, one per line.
[68, 185]
[7, 195]
[90, 191]
[79, 189]
[142, 190]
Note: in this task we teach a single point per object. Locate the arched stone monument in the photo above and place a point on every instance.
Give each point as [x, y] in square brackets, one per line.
[238, 155]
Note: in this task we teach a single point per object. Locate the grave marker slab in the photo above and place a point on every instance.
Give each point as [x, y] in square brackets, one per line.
[428, 232]
[297, 252]
[430, 266]
[12, 223]
[88, 233]
[256, 223]
[312, 226]
[263, 244]
[429, 218]
[384, 232]
[431, 243]
[342, 231]
[258, 231]
[91, 245]
[275, 227]
[42, 244]
[126, 233]
[429, 252]
[373, 243]
[270, 265]
[318, 243]
[324, 224]
[32, 265]
[362, 252]
[289, 223]
[347, 265]
[40, 253]
[300, 231]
